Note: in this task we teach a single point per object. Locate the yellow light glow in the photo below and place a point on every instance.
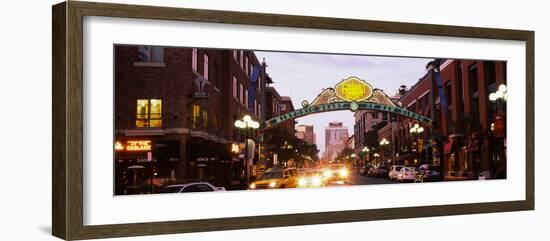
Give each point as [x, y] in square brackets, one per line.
[343, 172]
[272, 184]
[235, 148]
[302, 182]
[138, 145]
[327, 173]
[119, 146]
[252, 186]
[316, 181]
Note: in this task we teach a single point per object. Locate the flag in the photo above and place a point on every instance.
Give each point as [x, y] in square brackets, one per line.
[253, 86]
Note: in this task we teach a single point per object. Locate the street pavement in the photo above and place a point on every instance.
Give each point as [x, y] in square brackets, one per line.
[356, 179]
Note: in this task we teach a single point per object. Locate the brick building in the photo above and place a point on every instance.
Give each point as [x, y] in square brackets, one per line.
[175, 109]
[463, 135]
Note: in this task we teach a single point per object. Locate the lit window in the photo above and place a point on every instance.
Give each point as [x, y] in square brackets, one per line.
[205, 118]
[246, 98]
[150, 54]
[242, 59]
[194, 59]
[235, 87]
[205, 67]
[260, 110]
[256, 107]
[241, 93]
[235, 55]
[196, 115]
[149, 113]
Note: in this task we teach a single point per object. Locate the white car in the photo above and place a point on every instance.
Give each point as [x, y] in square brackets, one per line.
[394, 169]
[191, 187]
[406, 174]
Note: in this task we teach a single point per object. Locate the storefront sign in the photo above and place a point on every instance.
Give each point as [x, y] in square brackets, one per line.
[200, 95]
[138, 145]
[353, 89]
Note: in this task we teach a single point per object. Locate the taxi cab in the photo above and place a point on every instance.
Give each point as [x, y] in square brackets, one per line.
[276, 178]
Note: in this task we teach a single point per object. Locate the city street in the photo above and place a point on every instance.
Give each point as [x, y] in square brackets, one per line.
[356, 179]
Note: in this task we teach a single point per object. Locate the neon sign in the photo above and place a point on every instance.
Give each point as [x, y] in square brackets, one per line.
[138, 145]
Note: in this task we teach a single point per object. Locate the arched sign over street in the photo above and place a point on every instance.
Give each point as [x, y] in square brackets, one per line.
[351, 94]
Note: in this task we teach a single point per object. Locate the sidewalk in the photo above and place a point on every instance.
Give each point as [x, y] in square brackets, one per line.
[455, 178]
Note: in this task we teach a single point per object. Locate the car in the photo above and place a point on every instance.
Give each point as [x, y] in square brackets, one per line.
[312, 178]
[394, 169]
[276, 178]
[406, 174]
[364, 170]
[191, 187]
[380, 171]
[428, 173]
[336, 173]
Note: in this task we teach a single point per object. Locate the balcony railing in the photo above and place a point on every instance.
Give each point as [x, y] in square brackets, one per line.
[204, 125]
[168, 121]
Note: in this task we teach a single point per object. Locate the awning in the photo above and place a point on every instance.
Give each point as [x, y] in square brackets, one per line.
[448, 147]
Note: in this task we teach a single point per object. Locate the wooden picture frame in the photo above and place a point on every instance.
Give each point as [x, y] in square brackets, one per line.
[67, 152]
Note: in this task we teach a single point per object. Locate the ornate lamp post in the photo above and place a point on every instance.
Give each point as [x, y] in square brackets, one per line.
[417, 131]
[383, 144]
[499, 99]
[247, 124]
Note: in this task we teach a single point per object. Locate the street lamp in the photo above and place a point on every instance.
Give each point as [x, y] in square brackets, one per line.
[383, 143]
[416, 131]
[499, 98]
[247, 124]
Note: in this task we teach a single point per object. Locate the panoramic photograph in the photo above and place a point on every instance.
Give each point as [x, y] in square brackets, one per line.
[213, 120]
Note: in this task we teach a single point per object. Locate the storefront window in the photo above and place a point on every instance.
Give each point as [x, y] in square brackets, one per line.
[149, 113]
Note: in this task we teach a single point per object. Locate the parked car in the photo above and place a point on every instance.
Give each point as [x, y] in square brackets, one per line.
[406, 174]
[336, 173]
[191, 187]
[380, 171]
[393, 170]
[276, 178]
[428, 173]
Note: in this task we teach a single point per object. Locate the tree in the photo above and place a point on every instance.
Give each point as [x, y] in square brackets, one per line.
[345, 154]
[288, 147]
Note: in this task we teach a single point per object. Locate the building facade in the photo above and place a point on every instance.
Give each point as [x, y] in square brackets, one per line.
[468, 136]
[174, 113]
[306, 133]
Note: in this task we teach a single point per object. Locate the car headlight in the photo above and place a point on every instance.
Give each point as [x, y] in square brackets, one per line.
[327, 173]
[272, 184]
[252, 186]
[316, 181]
[343, 172]
[302, 182]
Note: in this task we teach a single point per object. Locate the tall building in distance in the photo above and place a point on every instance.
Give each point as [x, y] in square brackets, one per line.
[336, 137]
[306, 133]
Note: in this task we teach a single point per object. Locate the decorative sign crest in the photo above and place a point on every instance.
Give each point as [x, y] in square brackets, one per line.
[353, 89]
